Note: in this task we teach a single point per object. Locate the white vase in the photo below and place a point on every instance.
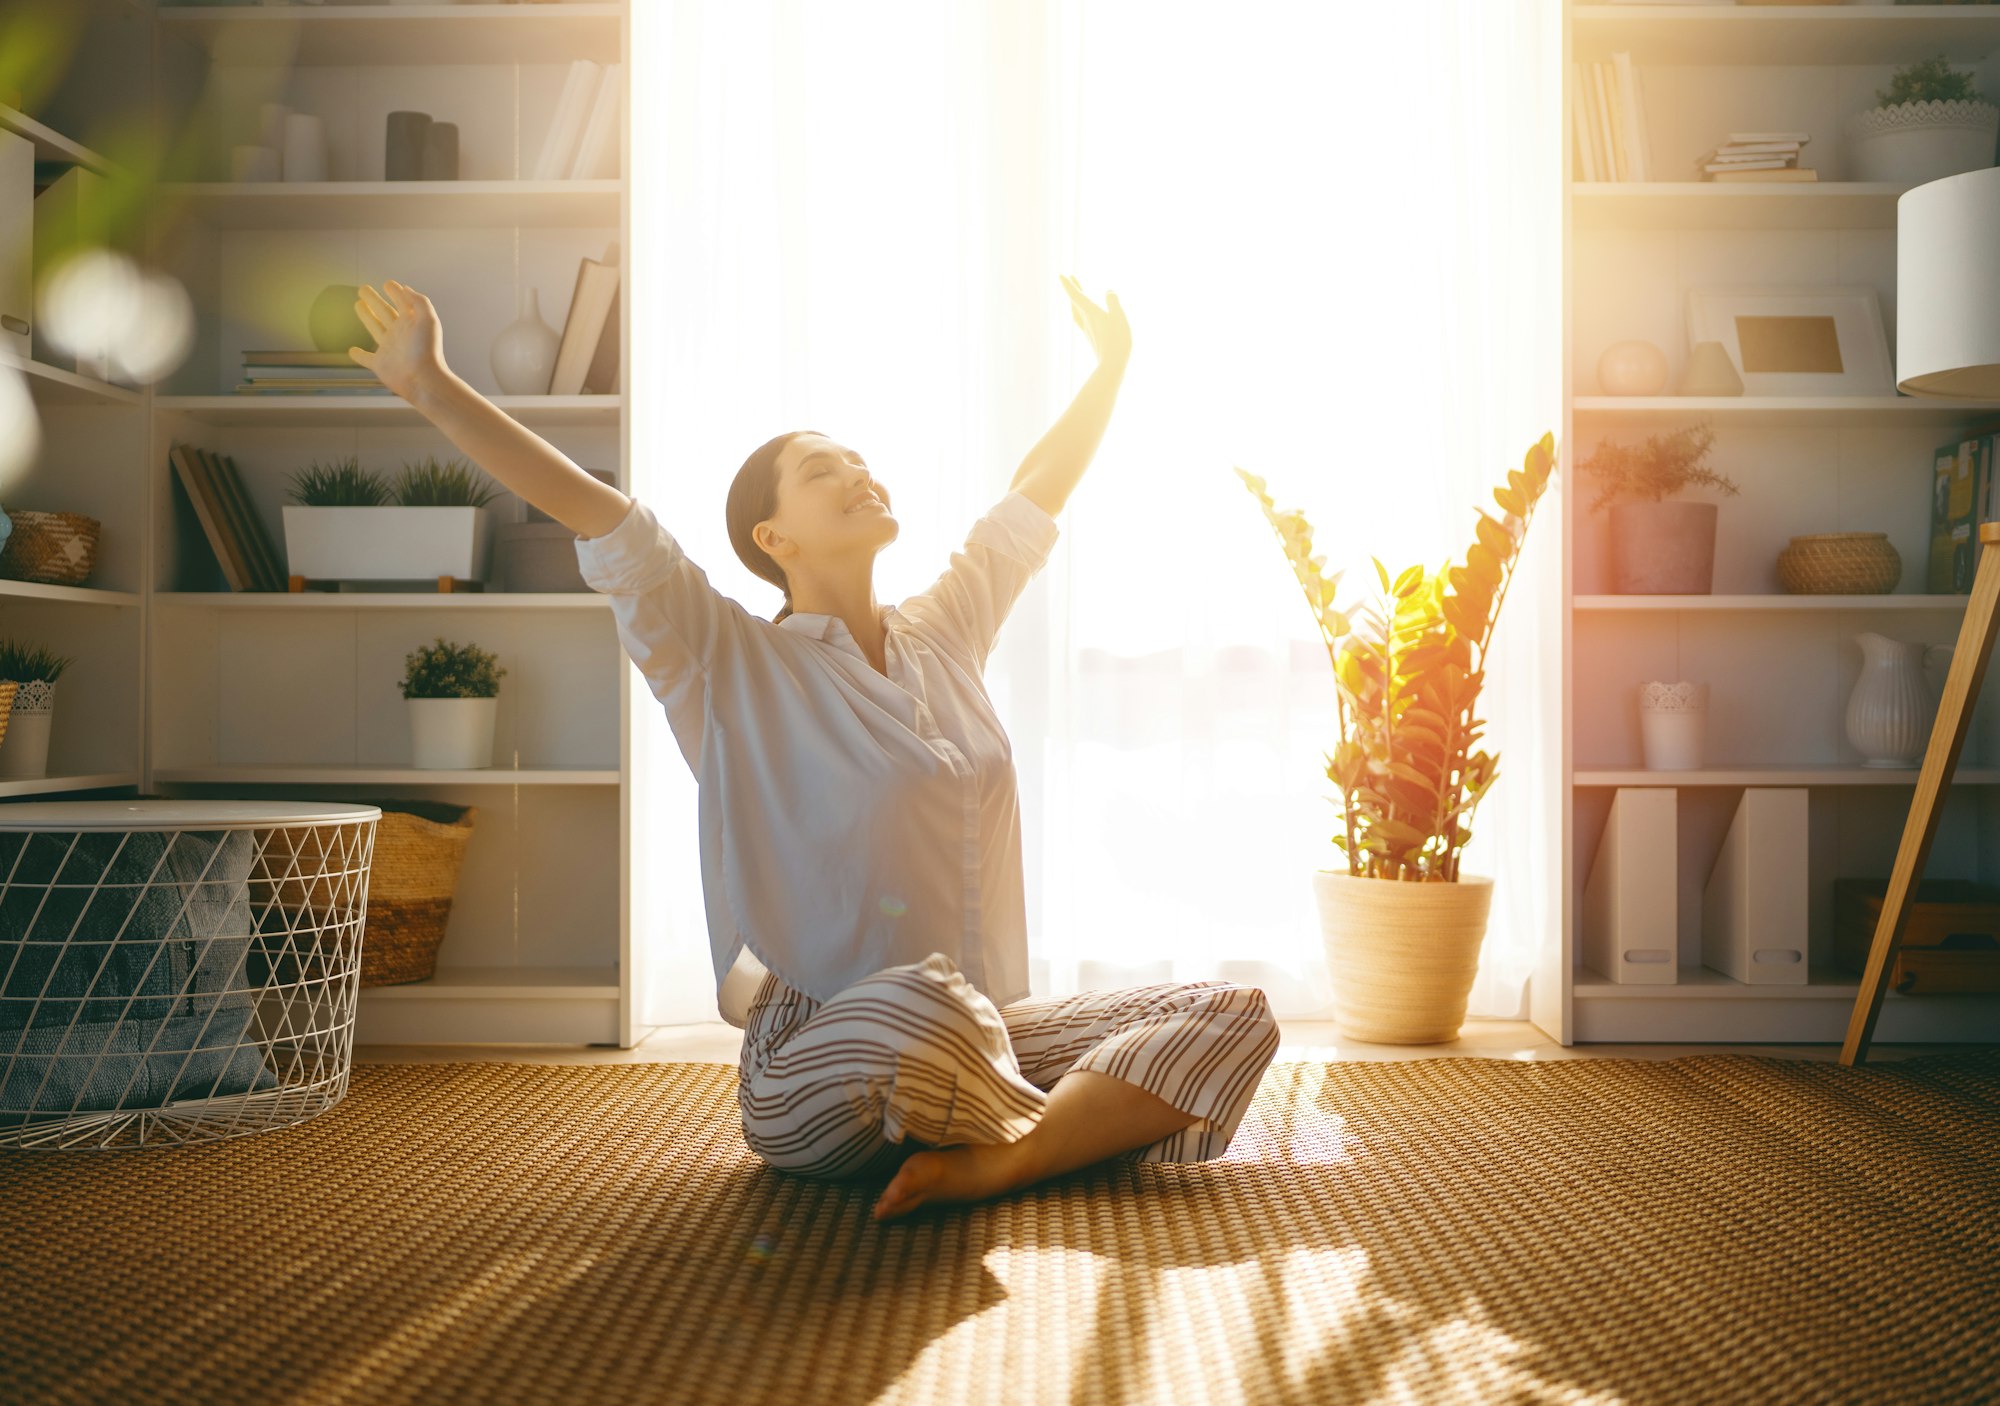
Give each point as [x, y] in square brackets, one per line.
[24, 752]
[1402, 955]
[1673, 725]
[1889, 713]
[452, 734]
[524, 353]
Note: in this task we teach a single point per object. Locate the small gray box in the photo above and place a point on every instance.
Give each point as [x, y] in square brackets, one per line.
[538, 556]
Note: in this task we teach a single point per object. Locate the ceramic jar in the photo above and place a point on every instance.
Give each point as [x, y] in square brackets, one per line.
[524, 353]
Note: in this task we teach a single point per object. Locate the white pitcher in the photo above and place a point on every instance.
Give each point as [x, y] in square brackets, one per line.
[1890, 712]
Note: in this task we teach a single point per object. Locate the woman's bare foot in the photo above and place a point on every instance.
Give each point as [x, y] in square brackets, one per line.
[970, 1172]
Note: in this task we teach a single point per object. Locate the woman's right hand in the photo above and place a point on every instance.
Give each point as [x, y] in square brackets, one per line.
[409, 341]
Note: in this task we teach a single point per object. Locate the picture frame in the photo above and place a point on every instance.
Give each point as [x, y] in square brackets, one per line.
[1792, 341]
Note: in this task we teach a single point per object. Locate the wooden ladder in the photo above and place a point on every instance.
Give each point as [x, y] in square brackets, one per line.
[1961, 691]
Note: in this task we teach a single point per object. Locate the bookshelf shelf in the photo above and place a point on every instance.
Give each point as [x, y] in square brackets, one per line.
[373, 35]
[328, 411]
[589, 602]
[373, 205]
[1787, 603]
[74, 595]
[1704, 205]
[52, 385]
[1779, 776]
[388, 776]
[1786, 412]
[53, 147]
[1804, 34]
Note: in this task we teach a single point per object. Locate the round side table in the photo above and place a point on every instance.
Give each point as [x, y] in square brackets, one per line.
[176, 971]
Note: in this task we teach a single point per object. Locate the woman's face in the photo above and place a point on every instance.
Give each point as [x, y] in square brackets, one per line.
[828, 504]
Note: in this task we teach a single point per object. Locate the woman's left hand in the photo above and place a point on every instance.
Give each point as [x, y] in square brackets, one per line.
[1110, 335]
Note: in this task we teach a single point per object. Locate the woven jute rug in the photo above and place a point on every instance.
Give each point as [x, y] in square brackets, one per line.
[1714, 1228]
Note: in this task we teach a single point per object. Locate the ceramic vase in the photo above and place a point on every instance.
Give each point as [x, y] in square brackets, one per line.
[441, 152]
[403, 149]
[1632, 368]
[1664, 548]
[1673, 725]
[26, 751]
[1403, 956]
[452, 734]
[1890, 711]
[524, 353]
[1709, 371]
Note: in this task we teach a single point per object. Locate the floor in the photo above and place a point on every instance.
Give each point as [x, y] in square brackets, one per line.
[714, 1041]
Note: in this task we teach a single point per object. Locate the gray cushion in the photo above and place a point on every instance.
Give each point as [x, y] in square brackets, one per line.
[122, 977]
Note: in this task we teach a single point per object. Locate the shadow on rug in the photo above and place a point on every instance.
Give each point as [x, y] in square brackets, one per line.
[1717, 1227]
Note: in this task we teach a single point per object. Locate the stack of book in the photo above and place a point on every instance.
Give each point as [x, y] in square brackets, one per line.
[581, 143]
[1758, 156]
[306, 373]
[1961, 499]
[1610, 118]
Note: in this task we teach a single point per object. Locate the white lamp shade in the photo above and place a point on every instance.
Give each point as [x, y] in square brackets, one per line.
[1948, 287]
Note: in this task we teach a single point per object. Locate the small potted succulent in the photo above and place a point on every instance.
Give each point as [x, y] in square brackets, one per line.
[30, 671]
[1930, 122]
[454, 694]
[1659, 547]
[1403, 927]
[351, 524]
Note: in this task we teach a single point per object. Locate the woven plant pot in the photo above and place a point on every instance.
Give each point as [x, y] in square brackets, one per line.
[56, 549]
[418, 849]
[31, 714]
[1403, 956]
[8, 688]
[1840, 563]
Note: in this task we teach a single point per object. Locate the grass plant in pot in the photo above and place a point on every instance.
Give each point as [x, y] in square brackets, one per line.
[1929, 123]
[30, 671]
[454, 695]
[1403, 927]
[1660, 545]
[350, 524]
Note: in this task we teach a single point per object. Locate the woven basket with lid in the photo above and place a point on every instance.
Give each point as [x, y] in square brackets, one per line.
[1840, 564]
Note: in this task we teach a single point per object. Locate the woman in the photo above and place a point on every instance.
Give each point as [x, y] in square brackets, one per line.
[860, 838]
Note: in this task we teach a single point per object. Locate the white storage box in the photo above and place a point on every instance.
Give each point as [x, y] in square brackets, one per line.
[388, 544]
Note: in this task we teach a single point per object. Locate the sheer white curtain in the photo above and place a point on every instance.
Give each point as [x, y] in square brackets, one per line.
[1335, 231]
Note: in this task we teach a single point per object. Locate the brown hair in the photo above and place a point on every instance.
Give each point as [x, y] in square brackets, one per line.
[753, 496]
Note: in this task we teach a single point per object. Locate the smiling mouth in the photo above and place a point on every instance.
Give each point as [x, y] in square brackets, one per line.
[869, 503]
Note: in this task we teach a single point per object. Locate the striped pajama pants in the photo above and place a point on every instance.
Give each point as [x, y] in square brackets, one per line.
[830, 1089]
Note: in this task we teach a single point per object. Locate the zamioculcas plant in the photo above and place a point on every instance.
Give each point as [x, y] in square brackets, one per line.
[1407, 674]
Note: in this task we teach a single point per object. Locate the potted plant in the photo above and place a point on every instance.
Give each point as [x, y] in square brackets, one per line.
[1659, 547]
[454, 693]
[33, 670]
[1930, 122]
[1402, 926]
[350, 524]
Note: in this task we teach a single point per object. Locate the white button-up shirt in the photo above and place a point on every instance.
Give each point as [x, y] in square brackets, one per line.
[849, 821]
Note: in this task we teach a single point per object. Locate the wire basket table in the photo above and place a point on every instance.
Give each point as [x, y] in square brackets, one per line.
[176, 971]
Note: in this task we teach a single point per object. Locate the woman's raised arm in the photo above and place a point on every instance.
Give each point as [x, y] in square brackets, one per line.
[409, 360]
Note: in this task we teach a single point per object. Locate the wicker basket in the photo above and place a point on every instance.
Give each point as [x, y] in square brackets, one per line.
[8, 688]
[419, 846]
[1840, 564]
[56, 549]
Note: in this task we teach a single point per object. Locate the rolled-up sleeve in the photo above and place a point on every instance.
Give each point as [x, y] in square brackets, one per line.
[978, 589]
[670, 620]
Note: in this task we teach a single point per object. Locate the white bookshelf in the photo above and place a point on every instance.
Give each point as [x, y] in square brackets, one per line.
[1780, 667]
[184, 688]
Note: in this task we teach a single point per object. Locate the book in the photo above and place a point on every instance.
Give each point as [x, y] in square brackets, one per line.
[1954, 507]
[17, 223]
[1758, 149]
[299, 358]
[1738, 138]
[1775, 164]
[1785, 175]
[1585, 129]
[1634, 114]
[589, 306]
[597, 151]
[1613, 171]
[313, 388]
[566, 126]
[602, 377]
[308, 373]
[253, 543]
[208, 510]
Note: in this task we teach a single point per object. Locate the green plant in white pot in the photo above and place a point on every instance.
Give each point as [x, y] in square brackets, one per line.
[33, 669]
[1402, 926]
[350, 524]
[454, 696]
[1929, 123]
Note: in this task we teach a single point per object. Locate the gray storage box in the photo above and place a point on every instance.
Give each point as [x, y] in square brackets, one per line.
[538, 556]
